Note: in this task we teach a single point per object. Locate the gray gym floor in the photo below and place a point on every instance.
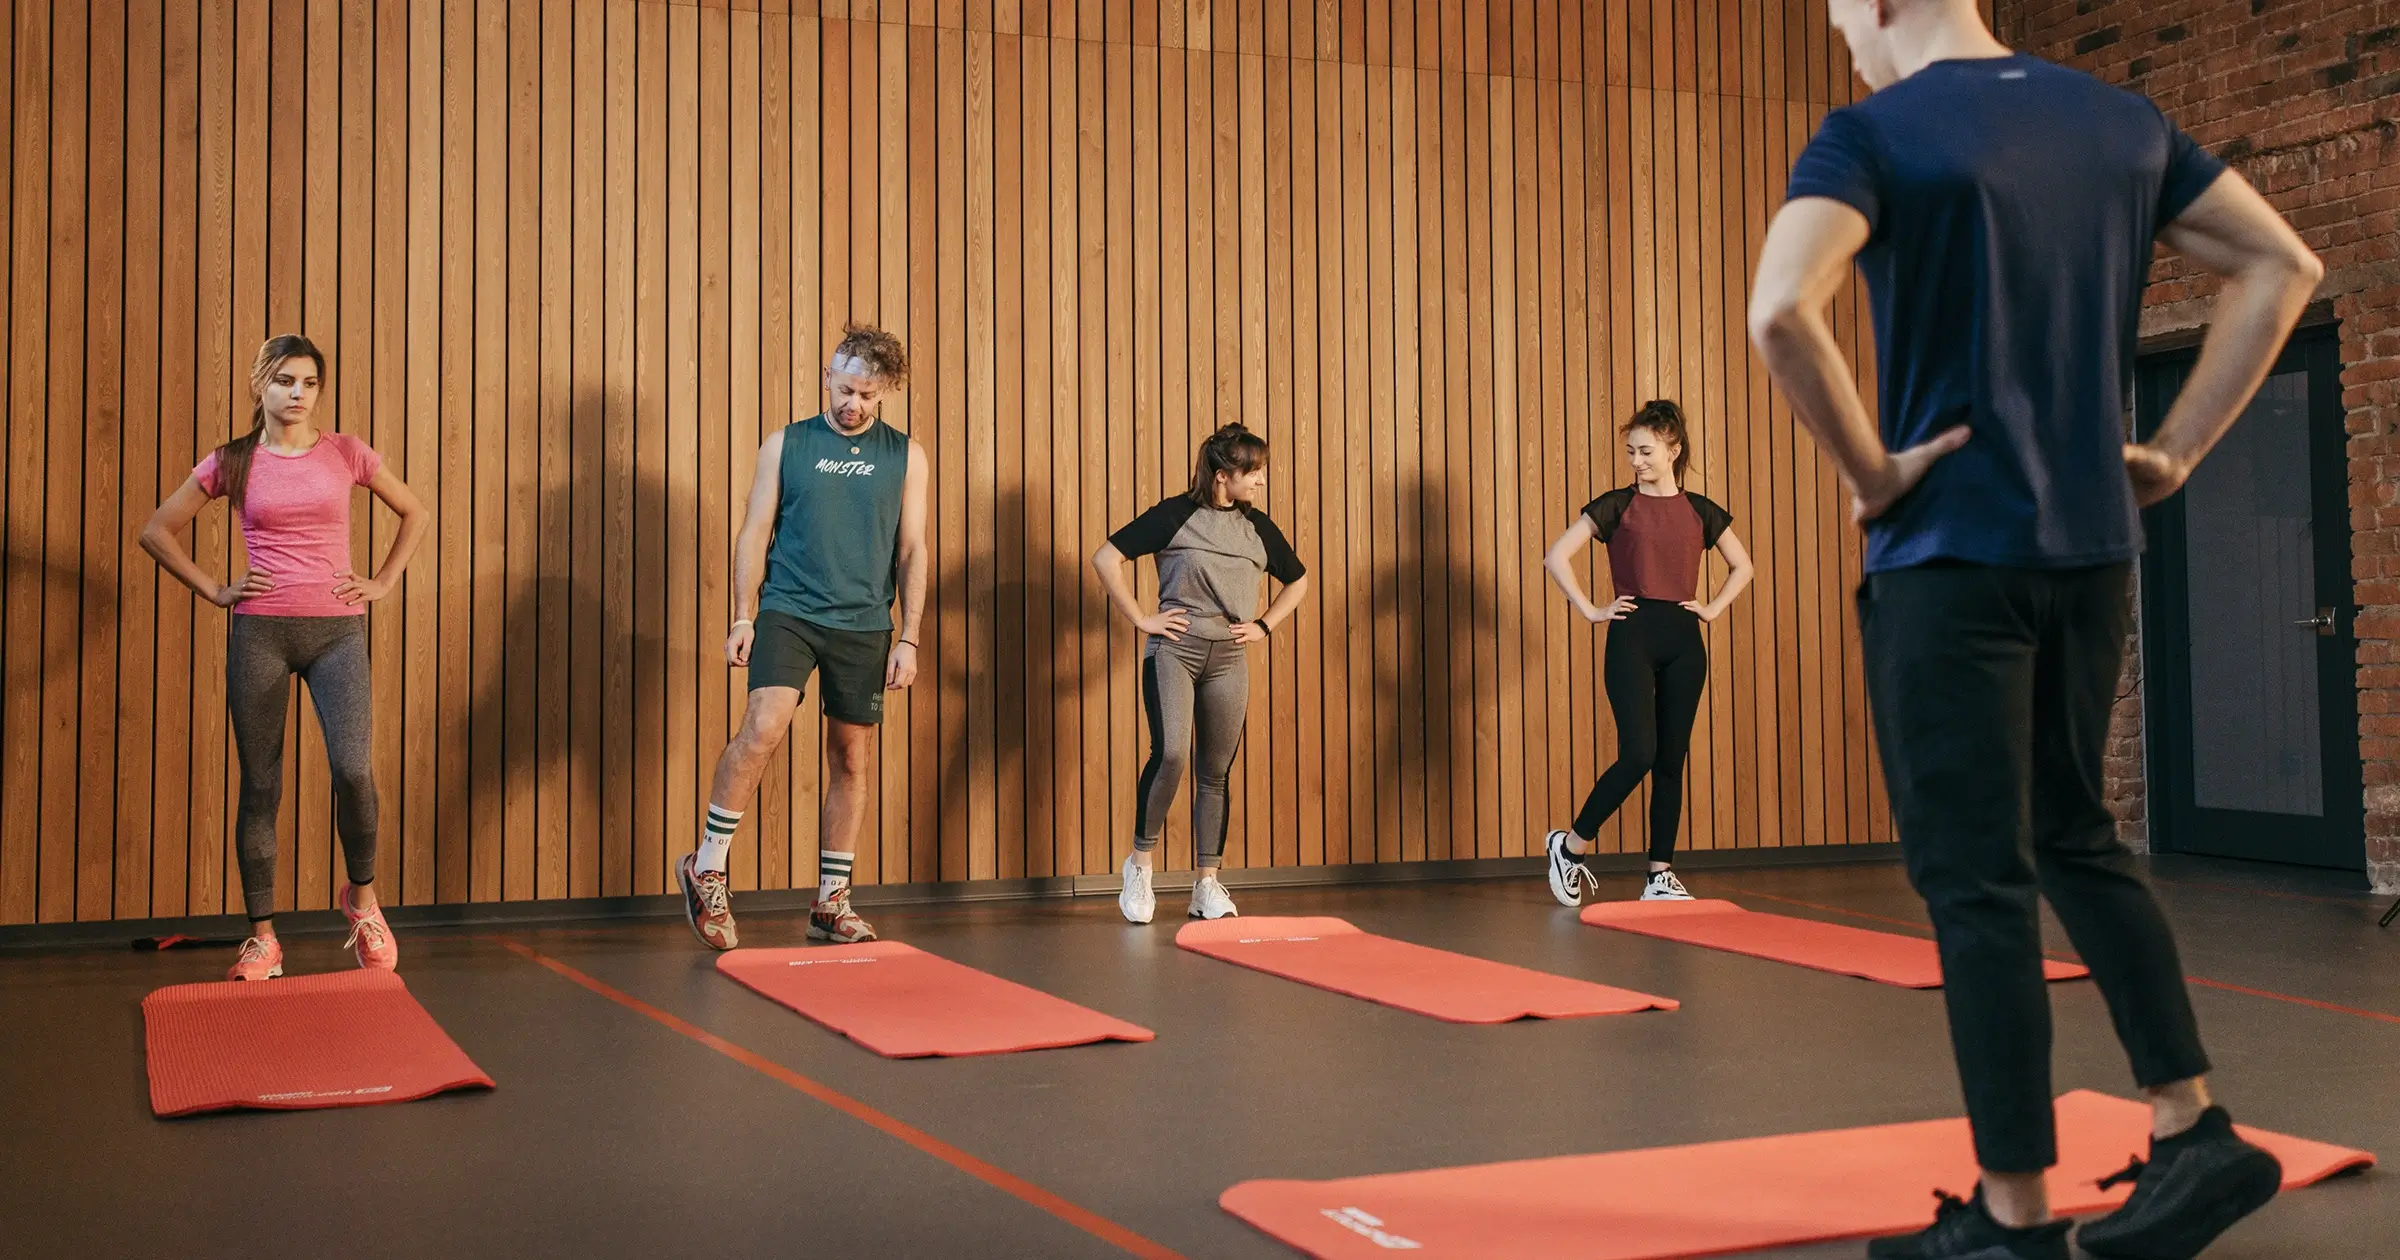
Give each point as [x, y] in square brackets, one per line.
[614, 1134]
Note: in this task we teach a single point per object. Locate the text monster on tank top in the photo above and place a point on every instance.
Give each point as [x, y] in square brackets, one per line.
[832, 559]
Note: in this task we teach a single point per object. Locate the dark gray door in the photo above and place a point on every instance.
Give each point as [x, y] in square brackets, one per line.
[2250, 664]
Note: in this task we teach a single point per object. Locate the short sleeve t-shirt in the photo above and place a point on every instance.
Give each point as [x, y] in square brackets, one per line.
[1210, 560]
[1655, 540]
[2012, 207]
[295, 521]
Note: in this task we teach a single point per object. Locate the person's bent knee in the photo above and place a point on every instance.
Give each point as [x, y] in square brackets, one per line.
[849, 748]
[768, 716]
[356, 783]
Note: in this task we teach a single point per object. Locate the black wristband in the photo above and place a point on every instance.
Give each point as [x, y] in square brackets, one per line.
[1263, 627]
[910, 642]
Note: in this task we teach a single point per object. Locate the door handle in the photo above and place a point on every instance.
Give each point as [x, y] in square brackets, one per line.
[2322, 623]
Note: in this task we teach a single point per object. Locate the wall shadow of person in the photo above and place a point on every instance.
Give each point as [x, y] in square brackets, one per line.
[1000, 725]
[1443, 722]
[567, 751]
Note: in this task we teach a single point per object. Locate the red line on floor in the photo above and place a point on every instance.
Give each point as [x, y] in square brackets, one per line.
[2297, 1001]
[1097, 1226]
[2269, 994]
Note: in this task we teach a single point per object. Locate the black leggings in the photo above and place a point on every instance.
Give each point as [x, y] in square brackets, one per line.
[1655, 669]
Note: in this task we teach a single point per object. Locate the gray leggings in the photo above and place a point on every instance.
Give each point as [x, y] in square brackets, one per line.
[1196, 693]
[330, 654]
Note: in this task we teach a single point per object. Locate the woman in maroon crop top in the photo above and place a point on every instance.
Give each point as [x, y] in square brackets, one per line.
[1656, 663]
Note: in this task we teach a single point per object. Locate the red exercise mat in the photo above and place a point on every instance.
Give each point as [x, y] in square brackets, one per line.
[1333, 954]
[343, 1039]
[903, 1003]
[1908, 961]
[1713, 1198]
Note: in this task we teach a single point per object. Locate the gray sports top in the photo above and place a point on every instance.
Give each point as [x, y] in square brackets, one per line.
[1210, 559]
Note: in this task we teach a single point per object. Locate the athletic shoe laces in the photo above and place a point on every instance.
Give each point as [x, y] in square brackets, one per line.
[1948, 1210]
[2130, 1172]
[253, 950]
[370, 928]
[712, 892]
[1573, 876]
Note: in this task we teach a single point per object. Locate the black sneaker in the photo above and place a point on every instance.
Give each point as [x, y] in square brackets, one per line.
[1963, 1229]
[2193, 1187]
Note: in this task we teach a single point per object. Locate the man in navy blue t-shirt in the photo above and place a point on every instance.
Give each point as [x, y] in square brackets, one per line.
[2004, 212]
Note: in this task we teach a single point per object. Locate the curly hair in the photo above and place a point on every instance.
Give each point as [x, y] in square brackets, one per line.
[880, 351]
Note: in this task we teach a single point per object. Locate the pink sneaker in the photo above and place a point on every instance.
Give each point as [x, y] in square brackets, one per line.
[370, 936]
[262, 959]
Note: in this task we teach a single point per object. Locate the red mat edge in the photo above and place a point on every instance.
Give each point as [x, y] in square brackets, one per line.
[1209, 932]
[2053, 970]
[1146, 1035]
[481, 1080]
[194, 990]
[2354, 1161]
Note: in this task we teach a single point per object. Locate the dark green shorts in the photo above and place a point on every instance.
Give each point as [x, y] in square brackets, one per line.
[784, 651]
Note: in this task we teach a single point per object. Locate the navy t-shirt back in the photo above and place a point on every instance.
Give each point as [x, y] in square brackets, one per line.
[2012, 206]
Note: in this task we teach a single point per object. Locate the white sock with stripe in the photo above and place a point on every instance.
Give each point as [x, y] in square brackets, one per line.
[833, 874]
[716, 837]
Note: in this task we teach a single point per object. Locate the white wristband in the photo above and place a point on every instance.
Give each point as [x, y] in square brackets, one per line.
[739, 622]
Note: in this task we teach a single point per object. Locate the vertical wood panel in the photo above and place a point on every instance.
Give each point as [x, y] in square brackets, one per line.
[139, 743]
[554, 468]
[411, 83]
[377, 257]
[574, 259]
[61, 473]
[110, 454]
[1307, 456]
[1042, 812]
[19, 667]
[591, 642]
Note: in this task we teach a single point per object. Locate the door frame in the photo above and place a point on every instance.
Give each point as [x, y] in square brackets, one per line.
[2166, 681]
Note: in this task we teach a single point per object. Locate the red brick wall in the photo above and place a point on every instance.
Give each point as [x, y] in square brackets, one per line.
[2303, 96]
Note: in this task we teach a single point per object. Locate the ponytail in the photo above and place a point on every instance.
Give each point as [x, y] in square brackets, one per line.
[1231, 449]
[234, 457]
[1662, 417]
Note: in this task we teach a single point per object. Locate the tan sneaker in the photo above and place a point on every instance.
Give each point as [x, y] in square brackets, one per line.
[834, 921]
[705, 904]
[262, 959]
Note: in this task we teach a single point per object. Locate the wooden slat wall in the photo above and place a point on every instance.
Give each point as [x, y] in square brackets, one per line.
[573, 258]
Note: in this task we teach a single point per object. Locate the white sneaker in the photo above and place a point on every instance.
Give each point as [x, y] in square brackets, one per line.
[1135, 899]
[1209, 900]
[1663, 886]
[1566, 870]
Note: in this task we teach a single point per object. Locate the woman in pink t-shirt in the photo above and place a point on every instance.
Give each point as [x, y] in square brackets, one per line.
[297, 609]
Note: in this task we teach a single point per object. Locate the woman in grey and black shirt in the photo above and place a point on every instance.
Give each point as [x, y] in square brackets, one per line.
[1212, 546]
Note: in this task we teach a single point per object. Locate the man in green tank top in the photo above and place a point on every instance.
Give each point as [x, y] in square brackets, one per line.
[835, 531]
